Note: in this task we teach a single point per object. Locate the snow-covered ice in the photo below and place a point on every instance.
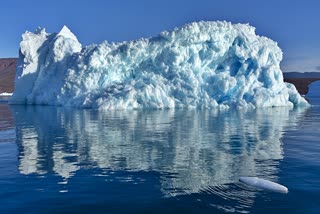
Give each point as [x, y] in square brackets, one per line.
[202, 64]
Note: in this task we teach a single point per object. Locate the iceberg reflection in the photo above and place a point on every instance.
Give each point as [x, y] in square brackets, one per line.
[193, 151]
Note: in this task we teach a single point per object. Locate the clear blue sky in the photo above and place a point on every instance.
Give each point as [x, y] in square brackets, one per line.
[295, 25]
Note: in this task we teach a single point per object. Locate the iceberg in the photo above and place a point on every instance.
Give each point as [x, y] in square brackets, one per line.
[199, 65]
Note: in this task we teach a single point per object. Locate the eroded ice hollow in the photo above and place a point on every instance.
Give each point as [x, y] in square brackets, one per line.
[199, 65]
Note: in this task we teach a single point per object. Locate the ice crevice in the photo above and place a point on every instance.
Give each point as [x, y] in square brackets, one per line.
[199, 65]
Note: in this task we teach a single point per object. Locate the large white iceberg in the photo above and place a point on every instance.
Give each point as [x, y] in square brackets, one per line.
[200, 65]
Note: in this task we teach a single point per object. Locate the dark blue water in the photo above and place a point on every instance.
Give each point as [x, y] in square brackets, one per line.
[60, 160]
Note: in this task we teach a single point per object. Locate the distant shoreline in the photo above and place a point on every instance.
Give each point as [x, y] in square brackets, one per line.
[302, 84]
[7, 74]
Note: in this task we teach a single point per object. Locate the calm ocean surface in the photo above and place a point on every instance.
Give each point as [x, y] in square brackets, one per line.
[64, 160]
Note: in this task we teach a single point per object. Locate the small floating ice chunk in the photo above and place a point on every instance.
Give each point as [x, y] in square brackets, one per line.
[5, 94]
[264, 184]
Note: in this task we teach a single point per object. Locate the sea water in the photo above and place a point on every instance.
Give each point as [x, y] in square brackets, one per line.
[67, 160]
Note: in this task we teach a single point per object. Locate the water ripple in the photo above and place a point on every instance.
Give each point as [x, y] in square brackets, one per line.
[191, 152]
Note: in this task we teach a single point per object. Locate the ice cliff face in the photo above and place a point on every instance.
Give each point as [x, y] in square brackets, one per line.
[204, 64]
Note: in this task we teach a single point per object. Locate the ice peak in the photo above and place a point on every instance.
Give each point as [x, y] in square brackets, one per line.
[66, 32]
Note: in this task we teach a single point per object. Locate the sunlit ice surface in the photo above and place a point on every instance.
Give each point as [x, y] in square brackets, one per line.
[216, 65]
